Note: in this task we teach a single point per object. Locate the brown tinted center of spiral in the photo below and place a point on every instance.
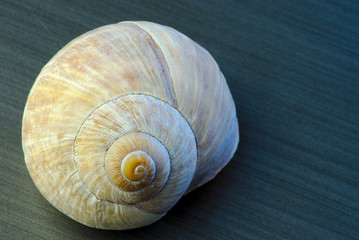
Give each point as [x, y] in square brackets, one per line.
[130, 161]
[134, 166]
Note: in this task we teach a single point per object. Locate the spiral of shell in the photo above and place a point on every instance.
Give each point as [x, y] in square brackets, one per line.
[123, 121]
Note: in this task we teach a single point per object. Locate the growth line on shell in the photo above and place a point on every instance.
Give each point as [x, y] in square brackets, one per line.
[164, 61]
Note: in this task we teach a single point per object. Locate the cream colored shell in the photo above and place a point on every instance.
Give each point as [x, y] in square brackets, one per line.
[123, 121]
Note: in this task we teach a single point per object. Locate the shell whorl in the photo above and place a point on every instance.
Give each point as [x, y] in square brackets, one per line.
[127, 148]
[119, 125]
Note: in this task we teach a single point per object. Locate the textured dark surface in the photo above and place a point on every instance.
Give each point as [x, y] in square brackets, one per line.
[293, 70]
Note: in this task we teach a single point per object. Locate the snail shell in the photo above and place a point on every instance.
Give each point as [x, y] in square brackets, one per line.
[123, 121]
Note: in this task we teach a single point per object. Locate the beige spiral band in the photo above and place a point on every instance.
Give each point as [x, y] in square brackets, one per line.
[124, 156]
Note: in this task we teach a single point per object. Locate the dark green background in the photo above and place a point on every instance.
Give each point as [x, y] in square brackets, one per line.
[293, 70]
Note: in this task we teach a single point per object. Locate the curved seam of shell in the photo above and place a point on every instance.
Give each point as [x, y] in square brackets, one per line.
[105, 102]
[173, 87]
[163, 57]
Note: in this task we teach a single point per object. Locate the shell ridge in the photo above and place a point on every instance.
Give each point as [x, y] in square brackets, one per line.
[163, 57]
